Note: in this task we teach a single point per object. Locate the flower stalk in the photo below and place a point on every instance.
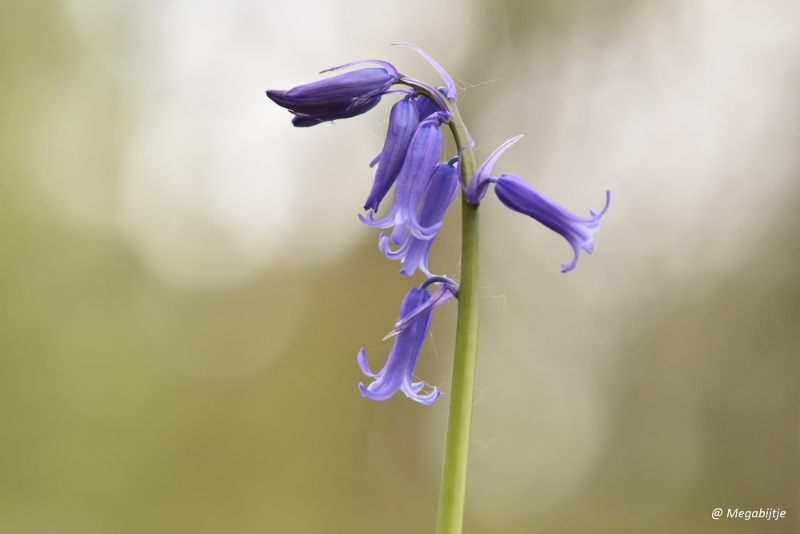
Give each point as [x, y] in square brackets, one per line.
[459, 419]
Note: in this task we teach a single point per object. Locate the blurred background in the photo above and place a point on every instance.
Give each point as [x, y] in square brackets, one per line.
[185, 283]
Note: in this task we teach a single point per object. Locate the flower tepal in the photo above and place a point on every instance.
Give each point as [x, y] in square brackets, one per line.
[398, 372]
[438, 196]
[338, 97]
[403, 119]
[517, 195]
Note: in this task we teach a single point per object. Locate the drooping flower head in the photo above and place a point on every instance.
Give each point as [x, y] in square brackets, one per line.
[416, 312]
[424, 189]
[398, 372]
[440, 193]
[517, 195]
[338, 97]
[424, 152]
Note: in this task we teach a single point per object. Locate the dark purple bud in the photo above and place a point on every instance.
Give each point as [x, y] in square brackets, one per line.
[338, 97]
[344, 111]
[402, 122]
[517, 195]
[354, 84]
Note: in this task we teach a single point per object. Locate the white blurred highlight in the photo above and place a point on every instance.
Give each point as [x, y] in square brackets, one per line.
[215, 184]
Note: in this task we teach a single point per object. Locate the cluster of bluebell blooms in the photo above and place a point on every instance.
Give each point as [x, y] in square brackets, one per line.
[425, 186]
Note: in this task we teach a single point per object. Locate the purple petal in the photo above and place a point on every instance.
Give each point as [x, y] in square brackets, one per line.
[440, 193]
[403, 119]
[452, 93]
[386, 250]
[426, 106]
[385, 64]
[424, 151]
[445, 293]
[397, 374]
[375, 159]
[358, 83]
[519, 196]
[363, 365]
[425, 400]
[344, 110]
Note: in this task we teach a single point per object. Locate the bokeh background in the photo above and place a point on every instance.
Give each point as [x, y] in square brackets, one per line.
[185, 284]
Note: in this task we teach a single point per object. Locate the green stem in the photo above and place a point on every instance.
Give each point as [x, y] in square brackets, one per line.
[454, 473]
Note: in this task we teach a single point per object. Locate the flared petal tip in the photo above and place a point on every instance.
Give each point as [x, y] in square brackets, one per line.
[378, 395]
[366, 393]
[565, 268]
[425, 400]
[570, 266]
[369, 220]
[362, 363]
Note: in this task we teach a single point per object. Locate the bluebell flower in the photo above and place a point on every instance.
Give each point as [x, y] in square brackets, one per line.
[424, 152]
[517, 195]
[338, 97]
[398, 372]
[403, 119]
[416, 313]
[438, 196]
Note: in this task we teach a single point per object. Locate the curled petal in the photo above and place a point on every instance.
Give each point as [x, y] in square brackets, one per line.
[385, 248]
[452, 93]
[375, 159]
[425, 400]
[517, 195]
[363, 365]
